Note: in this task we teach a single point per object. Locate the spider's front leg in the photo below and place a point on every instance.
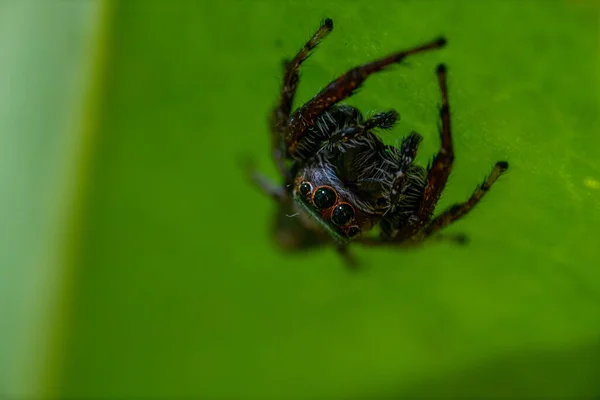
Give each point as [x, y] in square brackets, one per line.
[281, 113]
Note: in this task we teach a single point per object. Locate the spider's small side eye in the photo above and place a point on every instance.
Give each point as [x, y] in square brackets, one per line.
[324, 197]
[353, 231]
[305, 188]
[342, 214]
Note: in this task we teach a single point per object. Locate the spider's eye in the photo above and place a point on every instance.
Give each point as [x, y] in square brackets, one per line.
[342, 214]
[353, 231]
[305, 188]
[324, 197]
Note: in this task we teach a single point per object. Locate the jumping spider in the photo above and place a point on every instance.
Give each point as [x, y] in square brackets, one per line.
[340, 180]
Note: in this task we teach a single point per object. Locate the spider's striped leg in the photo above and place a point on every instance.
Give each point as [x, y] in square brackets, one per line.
[383, 120]
[457, 211]
[440, 168]
[281, 113]
[437, 175]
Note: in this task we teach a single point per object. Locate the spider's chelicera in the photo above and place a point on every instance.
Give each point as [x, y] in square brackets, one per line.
[340, 180]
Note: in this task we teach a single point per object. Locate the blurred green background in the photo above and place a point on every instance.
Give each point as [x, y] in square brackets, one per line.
[163, 280]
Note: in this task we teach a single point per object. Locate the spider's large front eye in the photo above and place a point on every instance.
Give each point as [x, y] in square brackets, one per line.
[342, 214]
[305, 188]
[324, 197]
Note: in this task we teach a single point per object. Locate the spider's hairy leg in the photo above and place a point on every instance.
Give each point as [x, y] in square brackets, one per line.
[291, 77]
[281, 113]
[459, 210]
[342, 88]
[409, 181]
[410, 145]
[408, 151]
[441, 166]
[383, 120]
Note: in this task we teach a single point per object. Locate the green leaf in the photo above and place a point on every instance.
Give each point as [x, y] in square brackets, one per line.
[180, 288]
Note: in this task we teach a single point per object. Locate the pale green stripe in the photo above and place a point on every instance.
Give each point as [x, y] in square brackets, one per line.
[44, 74]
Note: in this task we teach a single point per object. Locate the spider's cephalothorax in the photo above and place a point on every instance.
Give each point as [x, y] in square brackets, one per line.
[341, 180]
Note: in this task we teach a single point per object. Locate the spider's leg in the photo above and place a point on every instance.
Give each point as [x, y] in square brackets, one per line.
[281, 113]
[458, 238]
[440, 168]
[349, 259]
[414, 241]
[276, 192]
[342, 88]
[378, 242]
[383, 120]
[408, 152]
[459, 210]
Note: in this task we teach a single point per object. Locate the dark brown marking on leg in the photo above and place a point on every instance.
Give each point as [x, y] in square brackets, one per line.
[457, 211]
[341, 88]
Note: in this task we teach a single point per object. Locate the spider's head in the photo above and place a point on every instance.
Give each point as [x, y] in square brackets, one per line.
[339, 210]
